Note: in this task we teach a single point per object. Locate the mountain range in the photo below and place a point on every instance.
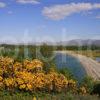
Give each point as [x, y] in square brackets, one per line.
[80, 42]
[74, 42]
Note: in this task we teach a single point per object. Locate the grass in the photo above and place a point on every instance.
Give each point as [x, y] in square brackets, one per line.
[89, 53]
[45, 96]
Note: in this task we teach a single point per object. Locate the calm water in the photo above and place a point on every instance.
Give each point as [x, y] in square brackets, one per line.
[98, 59]
[64, 60]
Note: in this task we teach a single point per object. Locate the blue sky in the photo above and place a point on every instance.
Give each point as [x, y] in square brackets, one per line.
[54, 20]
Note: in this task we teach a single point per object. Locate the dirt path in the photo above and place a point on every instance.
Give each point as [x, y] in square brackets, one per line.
[91, 66]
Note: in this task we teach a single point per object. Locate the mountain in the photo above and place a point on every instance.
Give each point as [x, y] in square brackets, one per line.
[80, 42]
[74, 42]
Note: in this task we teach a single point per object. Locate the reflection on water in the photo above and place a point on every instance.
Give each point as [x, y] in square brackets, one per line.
[64, 60]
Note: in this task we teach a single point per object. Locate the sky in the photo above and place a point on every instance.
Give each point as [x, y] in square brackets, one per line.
[49, 20]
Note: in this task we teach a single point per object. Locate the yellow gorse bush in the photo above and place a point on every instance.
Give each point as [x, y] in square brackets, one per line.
[83, 90]
[32, 65]
[29, 76]
[1, 78]
[9, 82]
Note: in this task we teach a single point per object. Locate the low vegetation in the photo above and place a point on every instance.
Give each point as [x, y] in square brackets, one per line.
[89, 53]
[27, 76]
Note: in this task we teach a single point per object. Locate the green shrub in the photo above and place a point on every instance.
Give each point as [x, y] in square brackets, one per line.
[66, 73]
[88, 82]
[96, 89]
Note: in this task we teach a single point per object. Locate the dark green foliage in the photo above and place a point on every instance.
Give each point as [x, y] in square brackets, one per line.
[96, 89]
[88, 82]
[66, 73]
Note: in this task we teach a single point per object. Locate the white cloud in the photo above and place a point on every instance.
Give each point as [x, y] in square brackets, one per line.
[28, 1]
[98, 17]
[10, 12]
[58, 12]
[2, 5]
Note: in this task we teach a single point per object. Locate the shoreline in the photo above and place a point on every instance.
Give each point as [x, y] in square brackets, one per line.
[91, 66]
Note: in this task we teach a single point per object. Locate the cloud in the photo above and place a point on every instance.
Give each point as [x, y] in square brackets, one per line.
[2, 5]
[28, 1]
[58, 12]
[98, 17]
[10, 12]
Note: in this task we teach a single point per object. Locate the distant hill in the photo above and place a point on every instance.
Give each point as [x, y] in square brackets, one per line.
[74, 42]
[80, 42]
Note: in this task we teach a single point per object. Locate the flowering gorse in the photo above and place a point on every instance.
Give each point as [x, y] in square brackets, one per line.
[30, 76]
